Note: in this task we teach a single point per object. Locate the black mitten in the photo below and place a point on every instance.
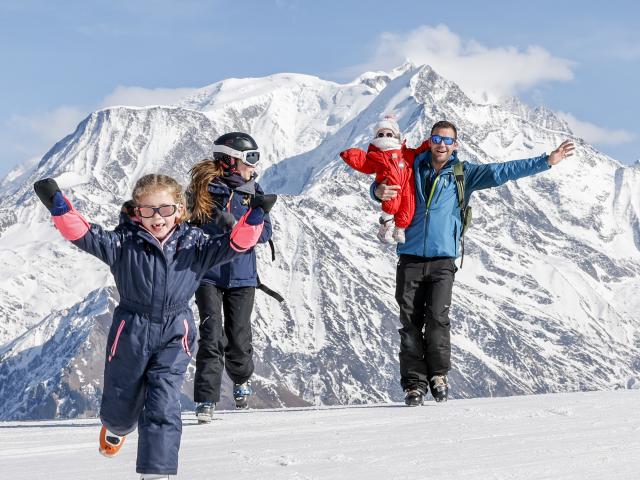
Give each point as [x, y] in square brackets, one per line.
[128, 208]
[266, 201]
[223, 219]
[51, 196]
[46, 190]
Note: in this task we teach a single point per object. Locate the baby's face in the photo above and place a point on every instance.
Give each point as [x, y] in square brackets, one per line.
[384, 132]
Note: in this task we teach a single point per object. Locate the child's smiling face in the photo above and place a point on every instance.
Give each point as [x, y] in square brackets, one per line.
[153, 221]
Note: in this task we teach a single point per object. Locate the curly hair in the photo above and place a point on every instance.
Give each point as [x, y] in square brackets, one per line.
[155, 182]
[203, 173]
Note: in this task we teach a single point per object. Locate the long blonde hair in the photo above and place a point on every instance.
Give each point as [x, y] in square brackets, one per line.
[203, 173]
[155, 182]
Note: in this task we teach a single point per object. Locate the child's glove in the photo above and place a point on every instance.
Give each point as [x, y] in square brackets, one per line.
[265, 201]
[260, 206]
[51, 196]
[224, 220]
[128, 208]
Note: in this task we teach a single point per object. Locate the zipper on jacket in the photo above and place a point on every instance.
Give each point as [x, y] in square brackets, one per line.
[433, 189]
[185, 338]
[114, 346]
[426, 220]
[157, 244]
[444, 178]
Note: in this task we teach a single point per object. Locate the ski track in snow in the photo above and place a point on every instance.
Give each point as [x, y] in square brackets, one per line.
[582, 436]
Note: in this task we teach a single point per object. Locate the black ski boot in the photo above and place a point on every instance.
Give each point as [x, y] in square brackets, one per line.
[413, 397]
[241, 394]
[439, 388]
[204, 412]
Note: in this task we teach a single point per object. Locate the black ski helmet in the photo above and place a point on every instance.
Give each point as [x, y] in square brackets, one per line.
[236, 145]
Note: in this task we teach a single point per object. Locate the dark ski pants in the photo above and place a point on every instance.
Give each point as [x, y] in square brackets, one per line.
[144, 369]
[223, 345]
[423, 292]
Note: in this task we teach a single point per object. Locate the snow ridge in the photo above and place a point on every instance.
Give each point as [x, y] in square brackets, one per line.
[547, 300]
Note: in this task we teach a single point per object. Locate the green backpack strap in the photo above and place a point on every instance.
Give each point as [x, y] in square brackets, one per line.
[458, 172]
[465, 209]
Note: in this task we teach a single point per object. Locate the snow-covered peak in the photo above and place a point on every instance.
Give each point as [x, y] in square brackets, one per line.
[544, 302]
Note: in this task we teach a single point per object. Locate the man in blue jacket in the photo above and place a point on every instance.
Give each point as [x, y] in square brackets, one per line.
[426, 267]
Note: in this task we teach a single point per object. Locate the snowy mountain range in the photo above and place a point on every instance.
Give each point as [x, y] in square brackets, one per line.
[548, 299]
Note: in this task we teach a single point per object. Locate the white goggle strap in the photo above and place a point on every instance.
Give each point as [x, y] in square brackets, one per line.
[232, 152]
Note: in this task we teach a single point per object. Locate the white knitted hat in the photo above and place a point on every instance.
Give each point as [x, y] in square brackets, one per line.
[390, 123]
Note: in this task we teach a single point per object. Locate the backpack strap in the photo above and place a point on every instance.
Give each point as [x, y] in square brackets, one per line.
[273, 250]
[268, 291]
[262, 286]
[458, 172]
[465, 210]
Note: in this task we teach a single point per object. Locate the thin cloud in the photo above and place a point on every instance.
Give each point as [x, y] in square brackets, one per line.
[286, 4]
[594, 134]
[626, 52]
[47, 127]
[142, 97]
[476, 68]
[31, 136]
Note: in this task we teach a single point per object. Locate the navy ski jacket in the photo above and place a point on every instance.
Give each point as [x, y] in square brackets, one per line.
[153, 332]
[242, 271]
[152, 277]
[437, 224]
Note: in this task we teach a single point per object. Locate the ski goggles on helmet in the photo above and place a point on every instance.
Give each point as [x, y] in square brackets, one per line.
[248, 157]
[437, 139]
[162, 210]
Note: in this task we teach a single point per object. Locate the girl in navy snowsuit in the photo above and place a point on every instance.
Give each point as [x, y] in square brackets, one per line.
[157, 261]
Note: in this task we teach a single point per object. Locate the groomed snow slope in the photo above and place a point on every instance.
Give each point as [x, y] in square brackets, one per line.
[581, 436]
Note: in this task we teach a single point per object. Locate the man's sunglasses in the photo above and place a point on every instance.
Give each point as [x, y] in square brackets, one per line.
[437, 139]
[162, 210]
[388, 134]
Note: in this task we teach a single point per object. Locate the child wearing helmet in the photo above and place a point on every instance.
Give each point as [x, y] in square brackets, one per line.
[221, 191]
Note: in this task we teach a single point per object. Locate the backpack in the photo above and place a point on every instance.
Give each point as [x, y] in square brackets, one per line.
[465, 209]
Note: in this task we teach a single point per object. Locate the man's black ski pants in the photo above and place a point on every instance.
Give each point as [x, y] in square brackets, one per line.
[423, 292]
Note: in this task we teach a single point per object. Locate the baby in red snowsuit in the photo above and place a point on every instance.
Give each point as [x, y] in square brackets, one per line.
[390, 159]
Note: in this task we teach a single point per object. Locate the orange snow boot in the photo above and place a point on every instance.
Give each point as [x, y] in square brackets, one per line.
[110, 443]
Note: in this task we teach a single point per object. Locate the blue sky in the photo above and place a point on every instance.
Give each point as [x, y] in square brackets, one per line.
[62, 60]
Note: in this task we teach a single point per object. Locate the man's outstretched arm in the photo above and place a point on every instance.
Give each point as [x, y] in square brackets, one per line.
[478, 177]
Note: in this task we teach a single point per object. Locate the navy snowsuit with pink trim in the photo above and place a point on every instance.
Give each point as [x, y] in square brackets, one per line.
[153, 331]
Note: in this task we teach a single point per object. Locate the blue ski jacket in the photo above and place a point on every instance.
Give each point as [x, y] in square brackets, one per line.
[242, 271]
[437, 224]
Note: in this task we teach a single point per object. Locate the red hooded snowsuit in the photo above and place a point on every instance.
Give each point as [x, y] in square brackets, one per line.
[395, 166]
